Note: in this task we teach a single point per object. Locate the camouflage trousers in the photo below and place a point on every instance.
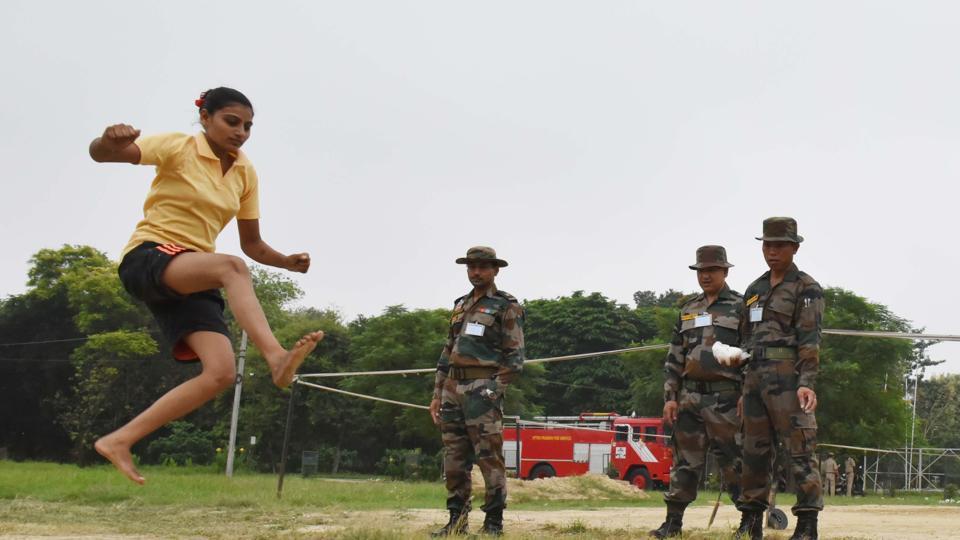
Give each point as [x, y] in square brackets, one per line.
[472, 428]
[704, 422]
[772, 413]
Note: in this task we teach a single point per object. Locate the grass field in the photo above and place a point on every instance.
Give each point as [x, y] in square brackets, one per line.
[41, 499]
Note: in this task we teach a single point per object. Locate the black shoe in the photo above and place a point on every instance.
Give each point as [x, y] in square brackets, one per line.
[671, 527]
[493, 523]
[751, 526]
[456, 526]
[806, 526]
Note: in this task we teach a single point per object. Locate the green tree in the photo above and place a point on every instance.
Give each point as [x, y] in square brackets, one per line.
[648, 299]
[645, 368]
[50, 266]
[397, 339]
[73, 292]
[938, 409]
[645, 372]
[31, 374]
[859, 387]
[576, 324]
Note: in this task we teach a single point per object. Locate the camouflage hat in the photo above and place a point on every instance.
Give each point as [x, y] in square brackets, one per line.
[711, 257]
[482, 254]
[780, 229]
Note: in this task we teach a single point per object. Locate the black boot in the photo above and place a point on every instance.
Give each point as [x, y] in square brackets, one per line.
[456, 526]
[751, 526]
[806, 526]
[493, 523]
[674, 523]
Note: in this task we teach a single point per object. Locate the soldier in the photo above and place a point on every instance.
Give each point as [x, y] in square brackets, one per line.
[830, 471]
[781, 330]
[851, 469]
[700, 395]
[483, 354]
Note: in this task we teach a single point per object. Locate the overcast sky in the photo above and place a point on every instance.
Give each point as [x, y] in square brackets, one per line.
[595, 145]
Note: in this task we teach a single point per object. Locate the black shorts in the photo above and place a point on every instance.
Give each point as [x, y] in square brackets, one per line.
[178, 315]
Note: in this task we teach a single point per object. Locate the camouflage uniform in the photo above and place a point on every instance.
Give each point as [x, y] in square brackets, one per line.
[707, 394]
[472, 374]
[781, 329]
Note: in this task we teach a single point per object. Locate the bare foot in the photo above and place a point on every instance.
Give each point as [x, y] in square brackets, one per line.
[290, 363]
[119, 454]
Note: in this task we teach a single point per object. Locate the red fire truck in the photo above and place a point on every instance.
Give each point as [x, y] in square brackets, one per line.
[590, 443]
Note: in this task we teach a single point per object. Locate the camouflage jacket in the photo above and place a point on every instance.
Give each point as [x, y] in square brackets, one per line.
[500, 344]
[792, 314]
[690, 355]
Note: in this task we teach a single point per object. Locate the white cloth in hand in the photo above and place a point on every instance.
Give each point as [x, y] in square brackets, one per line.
[727, 355]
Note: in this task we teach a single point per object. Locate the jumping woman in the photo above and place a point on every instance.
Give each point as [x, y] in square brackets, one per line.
[203, 181]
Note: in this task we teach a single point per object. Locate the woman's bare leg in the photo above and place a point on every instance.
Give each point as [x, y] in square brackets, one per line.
[219, 373]
[194, 272]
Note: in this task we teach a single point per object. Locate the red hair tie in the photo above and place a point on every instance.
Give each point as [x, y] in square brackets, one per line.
[201, 100]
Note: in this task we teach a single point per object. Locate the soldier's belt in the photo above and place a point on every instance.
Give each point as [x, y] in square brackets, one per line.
[460, 373]
[775, 353]
[710, 387]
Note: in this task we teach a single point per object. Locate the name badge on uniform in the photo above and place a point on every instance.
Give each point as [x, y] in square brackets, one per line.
[704, 319]
[474, 329]
[756, 314]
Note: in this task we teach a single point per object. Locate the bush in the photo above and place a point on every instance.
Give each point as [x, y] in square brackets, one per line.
[950, 492]
[184, 445]
[348, 459]
[243, 460]
[409, 465]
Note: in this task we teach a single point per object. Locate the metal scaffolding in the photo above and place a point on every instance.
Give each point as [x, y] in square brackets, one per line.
[909, 469]
[919, 472]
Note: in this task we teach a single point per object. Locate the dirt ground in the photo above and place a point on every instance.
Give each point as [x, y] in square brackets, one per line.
[867, 522]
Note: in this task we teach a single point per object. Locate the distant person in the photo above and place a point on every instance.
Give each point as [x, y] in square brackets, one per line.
[483, 354]
[202, 182]
[700, 394]
[781, 329]
[851, 469]
[830, 471]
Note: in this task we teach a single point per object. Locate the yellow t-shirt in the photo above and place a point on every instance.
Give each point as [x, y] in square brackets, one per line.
[191, 200]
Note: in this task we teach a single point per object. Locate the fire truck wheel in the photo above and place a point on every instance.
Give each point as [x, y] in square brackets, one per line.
[640, 478]
[542, 470]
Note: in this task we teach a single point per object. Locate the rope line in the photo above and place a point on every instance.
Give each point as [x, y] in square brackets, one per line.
[584, 386]
[896, 335]
[859, 448]
[415, 406]
[362, 396]
[534, 361]
[44, 342]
